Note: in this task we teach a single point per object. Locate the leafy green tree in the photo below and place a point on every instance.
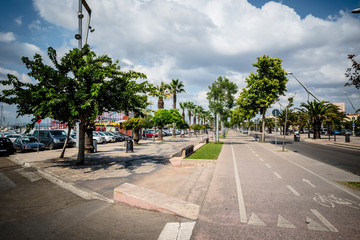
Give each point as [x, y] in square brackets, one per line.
[134, 124]
[353, 73]
[163, 117]
[176, 86]
[84, 84]
[221, 97]
[266, 85]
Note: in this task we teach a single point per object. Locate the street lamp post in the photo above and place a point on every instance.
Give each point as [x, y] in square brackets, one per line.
[353, 118]
[308, 93]
[78, 36]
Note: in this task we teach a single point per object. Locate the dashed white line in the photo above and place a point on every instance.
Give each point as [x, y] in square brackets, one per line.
[242, 210]
[324, 221]
[261, 159]
[293, 190]
[277, 175]
[268, 165]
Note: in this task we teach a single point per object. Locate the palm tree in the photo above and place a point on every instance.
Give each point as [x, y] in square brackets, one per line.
[175, 87]
[317, 112]
[190, 106]
[161, 92]
[183, 107]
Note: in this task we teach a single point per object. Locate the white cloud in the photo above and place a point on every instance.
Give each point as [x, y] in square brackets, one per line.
[18, 20]
[7, 37]
[199, 40]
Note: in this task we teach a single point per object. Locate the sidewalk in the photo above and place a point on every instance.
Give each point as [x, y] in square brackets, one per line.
[147, 169]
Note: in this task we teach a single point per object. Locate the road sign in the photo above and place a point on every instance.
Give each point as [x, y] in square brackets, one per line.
[275, 112]
[353, 124]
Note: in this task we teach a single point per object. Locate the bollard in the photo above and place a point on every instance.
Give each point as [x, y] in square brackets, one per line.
[347, 137]
[95, 145]
[129, 145]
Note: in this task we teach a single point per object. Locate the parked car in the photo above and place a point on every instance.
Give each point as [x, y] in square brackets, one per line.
[12, 137]
[6, 146]
[150, 133]
[53, 138]
[107, 137]
[99, 138]
[112, 137]
[28, 143]
[118, 137]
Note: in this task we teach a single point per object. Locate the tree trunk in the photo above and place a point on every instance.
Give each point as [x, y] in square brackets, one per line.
[173, 130]
[136, 136]
[263, 126]
[66, 141]
[160, 134]
[81, 151]
[317, 126]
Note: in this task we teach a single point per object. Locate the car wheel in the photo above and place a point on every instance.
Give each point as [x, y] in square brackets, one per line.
[51, 146]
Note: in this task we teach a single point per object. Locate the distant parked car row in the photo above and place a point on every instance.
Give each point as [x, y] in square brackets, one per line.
[11, 142]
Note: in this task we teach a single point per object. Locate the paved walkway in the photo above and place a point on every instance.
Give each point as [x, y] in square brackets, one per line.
[148, 167]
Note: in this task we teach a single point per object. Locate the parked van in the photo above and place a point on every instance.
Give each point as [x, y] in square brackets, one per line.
[53, 138]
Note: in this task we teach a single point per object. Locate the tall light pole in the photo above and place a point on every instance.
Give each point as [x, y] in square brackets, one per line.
[308, 93]
[353, 118]
[80, 15]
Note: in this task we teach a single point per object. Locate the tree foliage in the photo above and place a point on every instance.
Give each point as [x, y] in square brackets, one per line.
[353, 73]
[79, 87]
[264, 86]
[164, 117]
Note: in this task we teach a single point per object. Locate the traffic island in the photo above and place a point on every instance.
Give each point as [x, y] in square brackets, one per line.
[140, 197]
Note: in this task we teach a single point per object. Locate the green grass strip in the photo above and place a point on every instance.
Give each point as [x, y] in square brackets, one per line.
[207, 151]
[354, 185]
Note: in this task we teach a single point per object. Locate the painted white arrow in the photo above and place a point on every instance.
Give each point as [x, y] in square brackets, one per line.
[307, 181]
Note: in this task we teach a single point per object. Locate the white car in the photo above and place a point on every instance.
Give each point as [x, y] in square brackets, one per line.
[99, 138]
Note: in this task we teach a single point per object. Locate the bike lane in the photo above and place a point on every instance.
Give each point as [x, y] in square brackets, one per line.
[281, 200]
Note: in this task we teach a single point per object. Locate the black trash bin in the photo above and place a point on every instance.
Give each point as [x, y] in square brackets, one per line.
[347, 137]
[129, 145]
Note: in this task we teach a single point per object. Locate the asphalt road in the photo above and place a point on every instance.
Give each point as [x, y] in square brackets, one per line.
[258, 193]
[31, 207]
[346, 159]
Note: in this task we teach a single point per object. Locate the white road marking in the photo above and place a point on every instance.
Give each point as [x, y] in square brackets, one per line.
[256, 155]
[324, 221]
[317, 175]
[293, 190]
[5, 182]
[240, 196]
[308, 181]
[277, 175]
[177, 231]
[268, 165]
[312, 225]
[283, 223]
[253, 152]
[255, 220]
[261, 159]
[31, 176]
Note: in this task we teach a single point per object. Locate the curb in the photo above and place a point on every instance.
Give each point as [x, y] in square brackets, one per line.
[81, 192]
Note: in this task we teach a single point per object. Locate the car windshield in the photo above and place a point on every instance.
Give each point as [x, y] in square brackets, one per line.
[29, 140]
[4, 140]
[58, 133]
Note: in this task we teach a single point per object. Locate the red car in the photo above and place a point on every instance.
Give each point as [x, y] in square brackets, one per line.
[150, 133]
[6, 146]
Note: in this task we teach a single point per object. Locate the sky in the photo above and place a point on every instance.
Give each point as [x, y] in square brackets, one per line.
[195, 41]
